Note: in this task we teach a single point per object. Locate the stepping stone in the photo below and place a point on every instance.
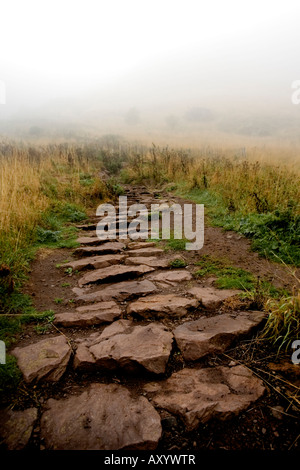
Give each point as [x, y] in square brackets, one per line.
[45, 360]
[171, 278]
[162, 305]
[148, 261]
[119, 291]
[90, 240]
[104, 417]
[214, 335]
[137, 245]
[16, 427]
[212, 298]
[198, 395]
[87, 227]
[106, 248]
[95, 314]
[113, 273]
[96, 262]
[125, 345]
[145, 252]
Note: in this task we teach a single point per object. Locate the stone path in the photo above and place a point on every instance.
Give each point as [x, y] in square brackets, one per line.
[135, 312]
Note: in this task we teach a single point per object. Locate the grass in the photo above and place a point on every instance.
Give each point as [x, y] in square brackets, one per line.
[44, 192]
[283, 323]
[228, 277]
[249, 194]
[177, 263]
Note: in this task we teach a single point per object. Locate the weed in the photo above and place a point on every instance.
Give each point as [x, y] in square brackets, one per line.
[283, 323]
[177, 263]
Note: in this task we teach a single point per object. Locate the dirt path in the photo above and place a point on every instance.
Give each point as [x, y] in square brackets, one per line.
[142, 355]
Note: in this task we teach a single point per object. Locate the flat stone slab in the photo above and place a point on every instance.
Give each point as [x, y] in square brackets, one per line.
[45, 360]
[125, 345]
[148, 261]
[119, 291]
[95, 314]
[161, 305]
[198, 395]
[212, 298]
[171, 278]
[87, 227]
[94, 240]
[104, 249]
[105, 417]
[214, 335]
[139, 245]
[151, 251]
[94, 262]
[16, 427]
[113, 273]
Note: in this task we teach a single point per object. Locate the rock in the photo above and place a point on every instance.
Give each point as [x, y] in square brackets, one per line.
[119, 291]
[94, 240]
[126, 345]
[104, 249]
[170, 278]
[113, 273]
[151, 251]
[162, 305]
[198, 395]
[91, 226]
[148, 261]
[16, 427]
[96, 262]
[212, 298]
[138, 245]
[105, 417]
[95, 314]
[214, 335]
[45, 360]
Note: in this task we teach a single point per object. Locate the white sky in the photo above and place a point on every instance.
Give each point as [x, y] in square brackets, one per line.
[75, 44]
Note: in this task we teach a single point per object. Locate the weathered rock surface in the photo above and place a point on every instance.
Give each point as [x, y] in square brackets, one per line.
[16, 427]
[151, 251]
[171, 278]
[47, 359]
[119, 291]
[95, 314]
[126, 345]
[161, 305]
[214, 335]
[105, 417]
[104, 249]
[95, 262]
[113, 273]
[138, 245]
[198, 395]
[93, 240]
[148, 261]
[212, 298]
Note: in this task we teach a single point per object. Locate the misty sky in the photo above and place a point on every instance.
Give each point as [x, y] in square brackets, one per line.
[138, 52]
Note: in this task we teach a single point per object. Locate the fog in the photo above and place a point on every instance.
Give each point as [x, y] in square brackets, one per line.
[149, 68]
